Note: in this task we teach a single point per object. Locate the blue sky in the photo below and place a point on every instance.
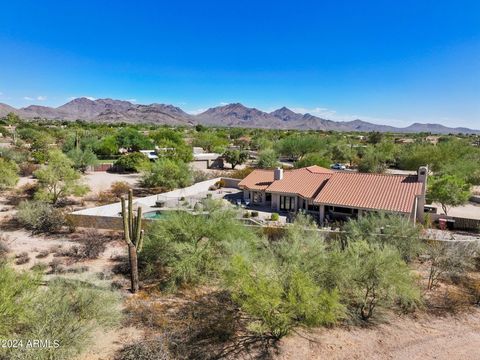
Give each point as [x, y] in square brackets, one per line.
[394, 62]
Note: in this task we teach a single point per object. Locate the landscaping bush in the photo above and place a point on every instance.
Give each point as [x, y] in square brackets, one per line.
[274, 217]
[40, 217]
[254, 213]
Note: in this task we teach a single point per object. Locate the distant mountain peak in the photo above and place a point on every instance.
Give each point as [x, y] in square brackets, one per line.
[235, 114]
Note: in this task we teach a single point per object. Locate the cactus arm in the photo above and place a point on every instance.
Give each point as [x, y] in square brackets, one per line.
[126, 229]
[138, 225]
[130, 211]
[140, 242]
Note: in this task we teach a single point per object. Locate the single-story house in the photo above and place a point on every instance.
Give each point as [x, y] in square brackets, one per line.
[331, 195]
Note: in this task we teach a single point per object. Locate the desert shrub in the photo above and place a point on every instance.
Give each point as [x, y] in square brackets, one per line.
[450, 261]
[106, 197]
[8, 174]
[28, 168]
[278, 301]
[56, 267]
[378, 278]
[189, 249]
[397, 231]
[241, 173]
[39, 267]
[199, 176]
[167, 174]
[274, 217]
[155, 348]
[246, 214]
[119, 188]
[68, 312]
[22, 258]
[280, 286]
[40, 217]
[133, 162]
[254, 214]
[42, 254]
[4, 248]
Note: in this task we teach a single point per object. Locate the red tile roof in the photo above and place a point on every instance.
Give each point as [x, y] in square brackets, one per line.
[303, 182]
[257, 180]
[357, 190]
[371, 191]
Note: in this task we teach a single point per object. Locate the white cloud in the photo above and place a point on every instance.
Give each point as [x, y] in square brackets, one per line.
[196, 111]
[86, 97]
[41, 98]
[132, 100]
[28, 98]
[223, 103]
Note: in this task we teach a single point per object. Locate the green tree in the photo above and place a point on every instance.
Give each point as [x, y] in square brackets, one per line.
[210, 142]
[235, 157]
[267, 159]
[168, 174]
[448, 190]
[12, 118]
[8, 174]
[82, 158]
[134, 162]
[106, 146]
[58, 179]
[297, 146]
[313, 159]
[132, 140]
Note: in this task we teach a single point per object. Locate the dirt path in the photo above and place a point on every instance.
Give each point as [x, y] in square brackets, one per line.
[402, 338]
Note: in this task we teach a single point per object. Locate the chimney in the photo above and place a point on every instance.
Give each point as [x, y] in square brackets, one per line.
[278, 174]
[422, 175]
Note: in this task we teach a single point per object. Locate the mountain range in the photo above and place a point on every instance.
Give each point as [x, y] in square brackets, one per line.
[231, 115]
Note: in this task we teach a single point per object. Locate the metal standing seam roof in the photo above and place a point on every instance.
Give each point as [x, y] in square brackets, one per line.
[357, 190]
[371, 191]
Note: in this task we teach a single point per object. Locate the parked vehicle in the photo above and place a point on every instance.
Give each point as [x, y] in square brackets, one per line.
[338, 166]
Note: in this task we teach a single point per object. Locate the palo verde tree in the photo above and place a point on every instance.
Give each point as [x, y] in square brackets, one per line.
[235, 157]
[448, 190]
[133, 236]
[58, 179]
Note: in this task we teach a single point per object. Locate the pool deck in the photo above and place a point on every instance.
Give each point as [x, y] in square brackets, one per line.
[172, 199]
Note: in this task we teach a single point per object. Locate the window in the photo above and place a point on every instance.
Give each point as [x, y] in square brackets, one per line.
[287, 203]
[268, 197]
[257, 197]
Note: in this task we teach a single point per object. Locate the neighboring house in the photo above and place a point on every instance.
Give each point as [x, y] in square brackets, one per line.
[211, 160]
[331, 195]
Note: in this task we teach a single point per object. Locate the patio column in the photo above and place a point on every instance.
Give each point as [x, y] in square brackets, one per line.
[322, 214]
[264, 197]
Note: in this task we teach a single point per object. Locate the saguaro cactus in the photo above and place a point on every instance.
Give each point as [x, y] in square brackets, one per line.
[133, 236]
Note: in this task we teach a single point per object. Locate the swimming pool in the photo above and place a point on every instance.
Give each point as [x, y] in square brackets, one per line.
[154, 215]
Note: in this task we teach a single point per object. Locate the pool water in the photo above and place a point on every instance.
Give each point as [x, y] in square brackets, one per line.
[155, 215]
